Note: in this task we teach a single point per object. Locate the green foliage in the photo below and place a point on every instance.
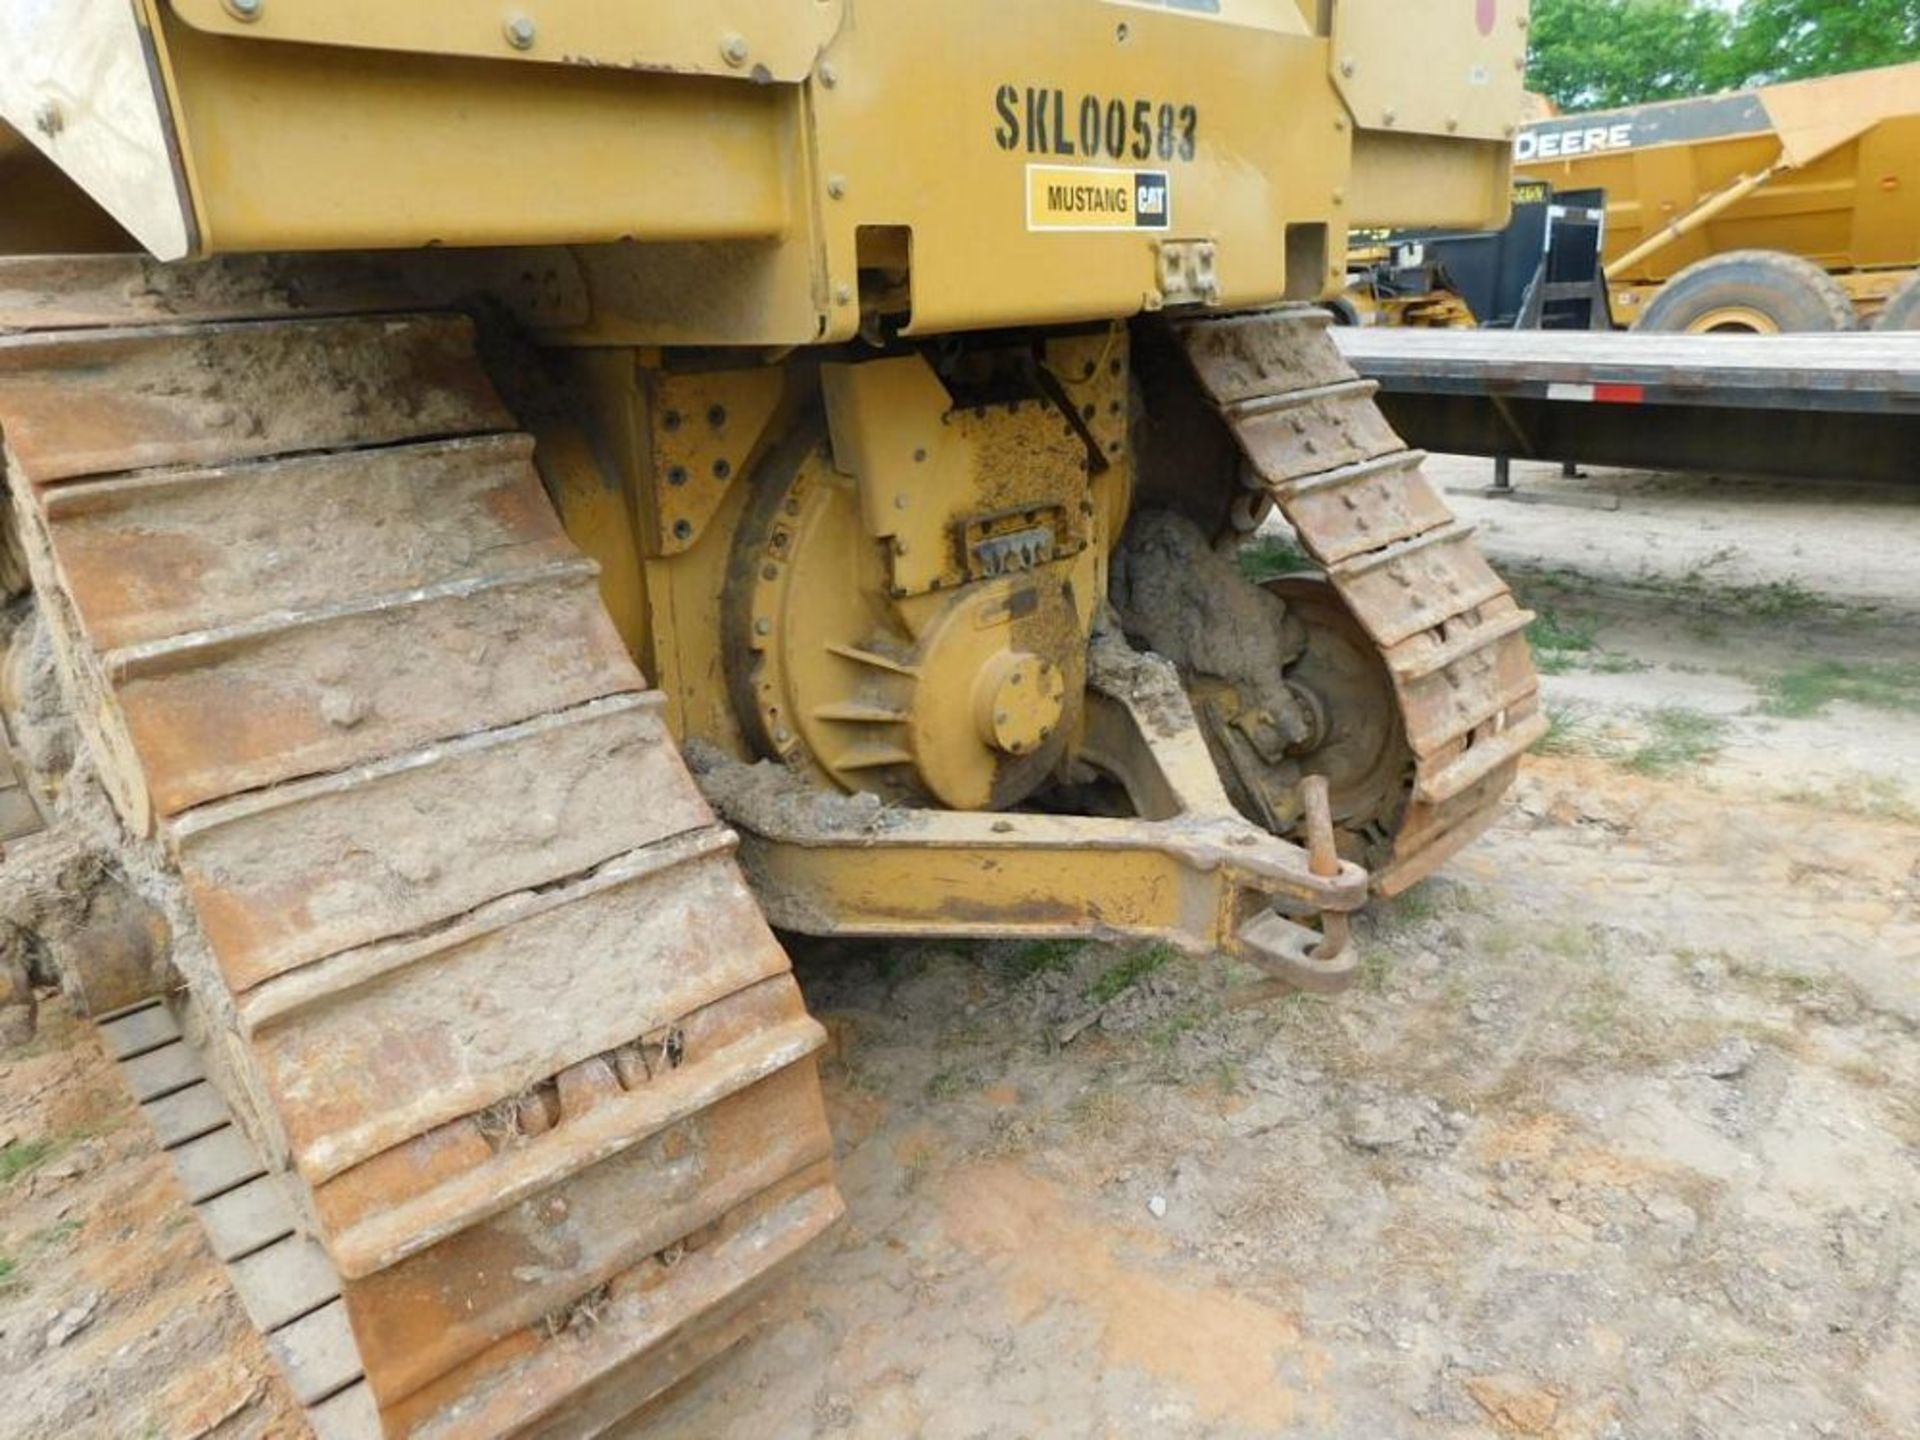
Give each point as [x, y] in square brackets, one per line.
[1798, 39]
[1598, 54]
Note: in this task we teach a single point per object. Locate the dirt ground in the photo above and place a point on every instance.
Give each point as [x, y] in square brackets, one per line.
[115, 1319]
[1617, 1137]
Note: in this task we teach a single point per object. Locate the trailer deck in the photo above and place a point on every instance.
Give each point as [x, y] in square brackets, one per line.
[1789, 406]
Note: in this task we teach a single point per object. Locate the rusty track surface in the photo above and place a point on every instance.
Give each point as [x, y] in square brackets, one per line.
[514, 1098]
[1449, 631]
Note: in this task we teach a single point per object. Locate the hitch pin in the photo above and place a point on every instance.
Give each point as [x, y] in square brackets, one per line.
[1323, 859]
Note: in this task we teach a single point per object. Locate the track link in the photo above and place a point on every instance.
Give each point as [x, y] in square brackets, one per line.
[492, 1085]
[1449, 632]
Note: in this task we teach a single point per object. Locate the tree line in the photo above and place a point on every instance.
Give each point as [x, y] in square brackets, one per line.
[1595, 54]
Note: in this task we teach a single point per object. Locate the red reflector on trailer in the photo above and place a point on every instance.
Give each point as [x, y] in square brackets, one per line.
[1598, 394]
[1619, 394]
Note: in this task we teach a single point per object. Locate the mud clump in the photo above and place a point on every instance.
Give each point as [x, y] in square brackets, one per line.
[36, 714]
[19, 1006]
[71, 914]
[1182, 599]
[770, 798]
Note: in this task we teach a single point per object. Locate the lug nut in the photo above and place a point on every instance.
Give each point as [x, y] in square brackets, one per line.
[520, 32]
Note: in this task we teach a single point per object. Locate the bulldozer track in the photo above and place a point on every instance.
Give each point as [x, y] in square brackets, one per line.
[491, 1085]
[1448, 630]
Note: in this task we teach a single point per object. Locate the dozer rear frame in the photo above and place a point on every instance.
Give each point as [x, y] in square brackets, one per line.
[560, 490]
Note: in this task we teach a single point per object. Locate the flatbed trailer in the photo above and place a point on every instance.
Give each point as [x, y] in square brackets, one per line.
[1787, 406]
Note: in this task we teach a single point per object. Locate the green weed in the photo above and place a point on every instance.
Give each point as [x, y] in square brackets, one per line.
[1570, 731]
[23, 1156]
[1808, 690]
[56, 1234]
[1555, 633]
[1167, 1035]
[1044, 957]
[1128, 972]
[1376, 969]
[951, 1081]
[1267, 557]
[1569, 942]
[1409, 908]
[1611, 663]
[1878, 797]
[1596, 1010]
[1677, 739]
[1776, 600]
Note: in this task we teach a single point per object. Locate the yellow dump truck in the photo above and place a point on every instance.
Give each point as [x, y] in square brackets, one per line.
[1790, 208]
[507, 504]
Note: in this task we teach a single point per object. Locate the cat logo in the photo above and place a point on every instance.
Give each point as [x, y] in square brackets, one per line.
[1150, 208]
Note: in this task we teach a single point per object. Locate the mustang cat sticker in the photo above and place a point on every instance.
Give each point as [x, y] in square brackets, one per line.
[1079, 197]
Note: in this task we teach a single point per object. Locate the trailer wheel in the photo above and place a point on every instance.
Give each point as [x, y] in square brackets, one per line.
[1902, 312]
[1750, 292]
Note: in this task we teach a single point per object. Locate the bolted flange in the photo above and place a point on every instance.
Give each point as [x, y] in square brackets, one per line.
[1018, 701]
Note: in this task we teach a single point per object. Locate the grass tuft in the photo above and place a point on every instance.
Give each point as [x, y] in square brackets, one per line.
[1570, 731]
[1044, 957]
[1677, 739]
[1808, 691]
[1777, 600]
[1555, 631]
[1268, 557]
[1128, 972]
[1613, 663]
[1167, 1035]
[952, 1081]
[1877, 797]
[22, 1157]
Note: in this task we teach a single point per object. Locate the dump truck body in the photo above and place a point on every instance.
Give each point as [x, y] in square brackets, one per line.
[1827, 171]
[528, 499]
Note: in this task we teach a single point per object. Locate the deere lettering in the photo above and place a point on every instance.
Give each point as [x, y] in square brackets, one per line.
[1041, 120]
[1556, 144]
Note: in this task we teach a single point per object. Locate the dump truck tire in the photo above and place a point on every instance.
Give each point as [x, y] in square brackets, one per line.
[1902, 312]
[1752, 292]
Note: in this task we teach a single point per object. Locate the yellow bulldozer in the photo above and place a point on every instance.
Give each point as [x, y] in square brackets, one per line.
[510, 504]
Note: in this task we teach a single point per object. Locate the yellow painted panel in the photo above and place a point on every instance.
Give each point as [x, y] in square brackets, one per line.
[937, 111]
[1433, 67]
[296, 147]
[755, 40]
[1813, 117]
